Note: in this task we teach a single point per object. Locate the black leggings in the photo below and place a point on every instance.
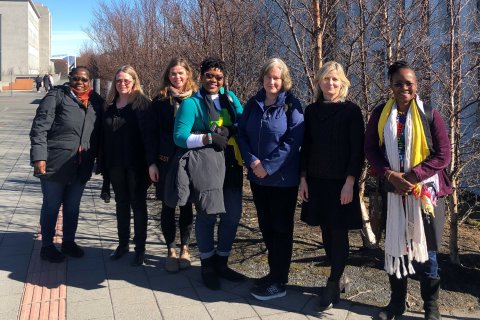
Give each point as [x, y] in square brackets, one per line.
[185, 222]
[335, 241]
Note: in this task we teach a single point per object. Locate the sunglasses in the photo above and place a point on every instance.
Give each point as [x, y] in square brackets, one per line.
[401, 84]
[76, 78]
[120, 81]
[209, 76]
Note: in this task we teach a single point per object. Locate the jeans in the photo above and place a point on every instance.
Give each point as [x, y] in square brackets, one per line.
[227, 227]
[130, 189]
[185, 222]
[54, 195]
[429, 268]
[275, 209]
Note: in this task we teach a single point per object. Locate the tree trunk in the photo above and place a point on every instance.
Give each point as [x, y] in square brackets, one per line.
[318, 35]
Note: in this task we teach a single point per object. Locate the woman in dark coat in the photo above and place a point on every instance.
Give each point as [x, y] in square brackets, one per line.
[177, 85]
[331, 162]
[64, 137]
[124, 159]
[407, 144]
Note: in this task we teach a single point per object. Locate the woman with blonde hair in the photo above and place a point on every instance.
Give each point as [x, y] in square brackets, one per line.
[269, 136]
[331, 162]
[124, 159]
[177, 84]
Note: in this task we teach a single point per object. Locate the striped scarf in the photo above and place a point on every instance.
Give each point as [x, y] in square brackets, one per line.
[405, 239]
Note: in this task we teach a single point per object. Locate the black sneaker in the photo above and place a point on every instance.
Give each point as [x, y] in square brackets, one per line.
[269, 291]
[260, 282]
[72, 249]
[51, 254]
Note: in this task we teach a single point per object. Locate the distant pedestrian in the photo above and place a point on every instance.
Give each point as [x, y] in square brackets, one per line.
[46, 82]
[50, 79]
[63, 147]
[38, 82]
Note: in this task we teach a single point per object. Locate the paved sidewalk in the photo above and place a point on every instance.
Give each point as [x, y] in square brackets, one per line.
[94, 287]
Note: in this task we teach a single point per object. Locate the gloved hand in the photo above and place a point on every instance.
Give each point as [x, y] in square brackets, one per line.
[223, 131]
[219, 142]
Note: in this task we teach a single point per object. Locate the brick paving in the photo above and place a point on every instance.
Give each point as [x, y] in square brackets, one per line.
[94, 287]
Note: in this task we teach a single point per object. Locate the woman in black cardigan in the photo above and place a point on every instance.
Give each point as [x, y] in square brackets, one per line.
[124, 159]
[177, 84]
[331, 161]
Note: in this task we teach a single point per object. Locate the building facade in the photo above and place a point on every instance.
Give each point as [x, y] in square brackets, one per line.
[25, 39]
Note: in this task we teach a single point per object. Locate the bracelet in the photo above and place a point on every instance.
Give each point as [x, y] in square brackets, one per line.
[209, 137]
[388, 175]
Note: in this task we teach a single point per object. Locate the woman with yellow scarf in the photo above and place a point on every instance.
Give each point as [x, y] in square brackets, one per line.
[407, 144]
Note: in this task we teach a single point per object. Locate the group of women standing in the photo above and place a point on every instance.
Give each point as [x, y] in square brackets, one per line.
[192, 143]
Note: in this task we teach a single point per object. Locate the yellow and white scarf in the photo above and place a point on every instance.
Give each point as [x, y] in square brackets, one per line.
[405, 235]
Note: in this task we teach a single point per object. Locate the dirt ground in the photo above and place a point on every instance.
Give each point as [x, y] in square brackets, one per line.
[309, 269]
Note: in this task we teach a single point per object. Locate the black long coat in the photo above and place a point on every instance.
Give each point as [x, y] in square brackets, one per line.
[61, 125]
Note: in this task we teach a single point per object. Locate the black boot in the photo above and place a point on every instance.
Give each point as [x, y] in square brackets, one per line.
[209, 274]
[224, 271]
[330, 296]
[396, 306]
[429, 289]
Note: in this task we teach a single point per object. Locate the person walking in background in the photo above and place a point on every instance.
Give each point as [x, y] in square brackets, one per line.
[177, 84]
[208, 120]
[46, 82]
[38, 83]
[407, 144]
[331, 163]
[50, 81]
[64, 141]
[270, 135]
[124, 159]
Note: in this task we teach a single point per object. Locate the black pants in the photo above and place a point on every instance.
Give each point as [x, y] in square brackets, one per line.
[185, 222]
[130, 189]
[275, 209]
[335, 241]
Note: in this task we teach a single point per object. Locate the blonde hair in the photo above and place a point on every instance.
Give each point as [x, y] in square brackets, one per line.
[137, 97]
[322, 73]
[285, 73]
[165, 80]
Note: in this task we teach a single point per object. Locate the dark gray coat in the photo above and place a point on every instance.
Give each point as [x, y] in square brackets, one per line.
[60, 126]
[196, 175]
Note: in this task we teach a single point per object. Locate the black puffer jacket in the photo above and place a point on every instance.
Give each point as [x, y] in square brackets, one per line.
[61, 125]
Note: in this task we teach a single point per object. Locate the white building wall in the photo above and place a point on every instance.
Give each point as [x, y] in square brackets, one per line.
[25, 39]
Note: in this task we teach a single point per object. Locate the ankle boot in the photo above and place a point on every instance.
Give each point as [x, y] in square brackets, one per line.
[209, 274]
[330, 296]
[224, 271]
[396, 306]
[429, 289]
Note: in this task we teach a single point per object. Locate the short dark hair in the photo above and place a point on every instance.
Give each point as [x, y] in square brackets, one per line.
[74, 70]
[213, 62]
[396, 66]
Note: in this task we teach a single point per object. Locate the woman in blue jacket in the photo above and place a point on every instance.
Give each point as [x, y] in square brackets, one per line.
[270, 133]
[209, 119]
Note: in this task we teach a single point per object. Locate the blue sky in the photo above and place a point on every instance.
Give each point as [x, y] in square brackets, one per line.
[69, 19]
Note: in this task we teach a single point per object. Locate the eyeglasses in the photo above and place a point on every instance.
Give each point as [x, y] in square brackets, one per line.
[76, 78]
[401, 84]
[218, 77]
[120, 81]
